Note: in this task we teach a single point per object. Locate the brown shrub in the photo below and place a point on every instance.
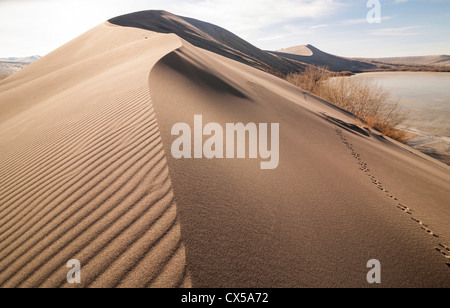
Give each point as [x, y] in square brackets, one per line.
[364, 98]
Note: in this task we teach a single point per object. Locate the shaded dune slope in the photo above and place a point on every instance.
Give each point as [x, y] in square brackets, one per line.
[209, 37]
[319, 217]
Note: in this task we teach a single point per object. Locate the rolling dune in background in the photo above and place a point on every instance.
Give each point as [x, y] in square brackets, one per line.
[86, 173]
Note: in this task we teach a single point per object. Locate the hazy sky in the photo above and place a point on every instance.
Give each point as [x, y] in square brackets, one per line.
[408, 27]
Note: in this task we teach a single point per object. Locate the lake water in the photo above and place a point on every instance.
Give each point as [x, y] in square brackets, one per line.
[427, 98]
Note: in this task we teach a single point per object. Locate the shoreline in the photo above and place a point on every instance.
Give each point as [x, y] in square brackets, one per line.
[435, 146]
[428, 140]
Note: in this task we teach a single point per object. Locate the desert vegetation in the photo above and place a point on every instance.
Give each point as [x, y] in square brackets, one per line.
[370, 102]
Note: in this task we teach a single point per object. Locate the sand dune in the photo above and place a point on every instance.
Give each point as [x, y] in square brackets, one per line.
[316, 219]
[86, 173]
[309, 54]
[83, 172]
[442, 60]
[301, 50]
[210, 37]
[312, 55]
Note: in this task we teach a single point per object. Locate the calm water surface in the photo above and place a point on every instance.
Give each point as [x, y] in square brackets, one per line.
[427, 98]
[425, 95]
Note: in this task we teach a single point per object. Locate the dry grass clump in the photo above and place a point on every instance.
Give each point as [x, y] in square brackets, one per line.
[364, 98]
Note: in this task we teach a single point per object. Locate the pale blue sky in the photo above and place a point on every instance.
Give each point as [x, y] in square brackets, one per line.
[408, 27]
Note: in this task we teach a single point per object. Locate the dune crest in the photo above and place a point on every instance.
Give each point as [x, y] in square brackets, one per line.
[301, 50]
[210, 37]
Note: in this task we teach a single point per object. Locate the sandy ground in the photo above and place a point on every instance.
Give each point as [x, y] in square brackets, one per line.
[86, 173]
[83, 172]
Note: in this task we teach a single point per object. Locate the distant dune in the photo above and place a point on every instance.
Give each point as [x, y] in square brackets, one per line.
[86, 173]
[309, 54]
[442, 60]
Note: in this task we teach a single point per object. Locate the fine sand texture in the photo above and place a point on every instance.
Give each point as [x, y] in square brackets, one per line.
[86, 173]
[83, 172]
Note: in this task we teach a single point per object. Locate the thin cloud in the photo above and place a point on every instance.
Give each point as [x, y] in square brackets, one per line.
[401, 31]
[256, 14]
[349, 22]
[319, 26]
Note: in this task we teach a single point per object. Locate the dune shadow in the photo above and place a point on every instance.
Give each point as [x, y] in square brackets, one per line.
[180, 62]
[445, 158]
[208, 36]
[351, 128]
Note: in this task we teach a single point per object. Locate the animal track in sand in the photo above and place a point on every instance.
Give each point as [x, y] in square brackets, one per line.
[405, 209]
[443, 252]
[364, 167]
[444, 247]
[424, 227]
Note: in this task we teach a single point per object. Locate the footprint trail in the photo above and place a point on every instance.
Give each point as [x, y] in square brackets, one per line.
[442, 249]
